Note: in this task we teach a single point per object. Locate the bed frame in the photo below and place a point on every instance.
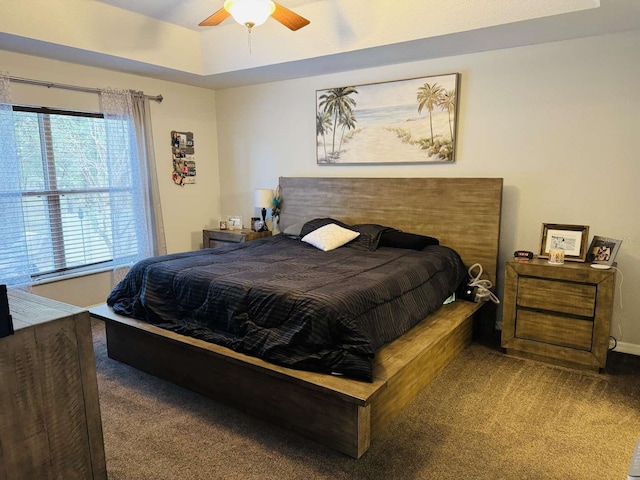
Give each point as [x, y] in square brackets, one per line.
[344, 414]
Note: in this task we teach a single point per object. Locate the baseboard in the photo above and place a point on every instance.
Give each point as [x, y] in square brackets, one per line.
[630, 348]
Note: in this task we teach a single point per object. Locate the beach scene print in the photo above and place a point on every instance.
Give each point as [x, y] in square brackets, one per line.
[405, 121]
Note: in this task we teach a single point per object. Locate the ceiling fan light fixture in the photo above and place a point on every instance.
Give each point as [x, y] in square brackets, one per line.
[250, 12]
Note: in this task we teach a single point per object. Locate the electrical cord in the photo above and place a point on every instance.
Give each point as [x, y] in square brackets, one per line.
[620, 284]
[484, 292]
[615, 340]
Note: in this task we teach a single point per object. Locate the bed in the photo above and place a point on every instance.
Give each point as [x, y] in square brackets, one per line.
[343, 413]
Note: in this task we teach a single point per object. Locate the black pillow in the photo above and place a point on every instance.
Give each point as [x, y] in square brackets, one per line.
[369, 233]
[316, 223]
[412, 241]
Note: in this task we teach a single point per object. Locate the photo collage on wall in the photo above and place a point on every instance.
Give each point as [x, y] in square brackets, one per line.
[184, 165]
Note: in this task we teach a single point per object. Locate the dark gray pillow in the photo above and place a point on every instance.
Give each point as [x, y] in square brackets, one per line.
[369, 233]
[294, 230]
[363, 242]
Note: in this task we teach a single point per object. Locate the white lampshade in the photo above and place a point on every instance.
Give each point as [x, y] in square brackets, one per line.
[250, 12]
[263, 198]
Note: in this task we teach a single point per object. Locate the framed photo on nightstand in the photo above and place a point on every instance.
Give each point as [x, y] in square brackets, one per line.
[234, 222]
[570, 238]
[603, 250]
[256, 224]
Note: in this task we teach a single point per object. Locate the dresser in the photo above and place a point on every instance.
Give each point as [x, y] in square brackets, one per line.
[50, 426]
[558, 313]
[217, 238]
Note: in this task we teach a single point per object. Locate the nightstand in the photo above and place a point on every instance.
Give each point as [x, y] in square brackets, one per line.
[558, 313]
[217, 238]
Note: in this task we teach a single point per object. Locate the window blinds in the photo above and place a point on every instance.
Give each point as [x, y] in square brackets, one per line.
[76, 197]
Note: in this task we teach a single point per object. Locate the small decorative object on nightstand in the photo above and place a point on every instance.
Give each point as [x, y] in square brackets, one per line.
[558, 313]
[218, 238]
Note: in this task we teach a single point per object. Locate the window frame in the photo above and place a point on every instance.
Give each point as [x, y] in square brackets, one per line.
[53, 194]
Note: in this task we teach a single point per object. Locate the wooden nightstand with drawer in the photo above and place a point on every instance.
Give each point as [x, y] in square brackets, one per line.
[218, 238]
[558, 313]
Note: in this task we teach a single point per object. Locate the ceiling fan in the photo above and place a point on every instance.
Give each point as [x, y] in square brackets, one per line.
[255, 12]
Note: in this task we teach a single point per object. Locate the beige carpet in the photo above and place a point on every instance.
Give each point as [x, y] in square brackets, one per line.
[486, 416]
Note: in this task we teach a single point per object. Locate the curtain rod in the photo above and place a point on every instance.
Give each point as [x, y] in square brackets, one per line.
[41, 83]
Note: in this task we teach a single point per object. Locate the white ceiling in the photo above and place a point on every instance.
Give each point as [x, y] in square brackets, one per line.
[186, 13]
[161, 38]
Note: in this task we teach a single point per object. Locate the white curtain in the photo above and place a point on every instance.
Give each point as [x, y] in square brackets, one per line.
[128, 183]
[14, 257]
[146, 153]
[136, 215]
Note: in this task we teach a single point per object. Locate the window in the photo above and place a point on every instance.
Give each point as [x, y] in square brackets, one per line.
[68, 201]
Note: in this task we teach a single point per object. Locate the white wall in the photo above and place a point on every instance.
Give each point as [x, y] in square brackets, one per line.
[559, 122]
[186, 210]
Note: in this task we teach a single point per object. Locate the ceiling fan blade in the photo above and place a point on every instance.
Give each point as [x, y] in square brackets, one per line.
[216, 19]
[289, 19]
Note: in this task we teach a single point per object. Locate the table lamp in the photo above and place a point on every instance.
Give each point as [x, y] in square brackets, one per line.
[263, 199]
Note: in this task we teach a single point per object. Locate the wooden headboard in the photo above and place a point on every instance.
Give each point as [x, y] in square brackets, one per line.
[463, 213]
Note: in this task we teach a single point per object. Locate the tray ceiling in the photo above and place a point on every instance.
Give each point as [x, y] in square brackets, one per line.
[161, 39]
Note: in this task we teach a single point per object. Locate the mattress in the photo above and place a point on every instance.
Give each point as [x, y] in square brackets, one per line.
[289, 303]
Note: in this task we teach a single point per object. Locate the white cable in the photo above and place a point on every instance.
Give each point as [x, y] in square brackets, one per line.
[620, 287]
[483, 286]
[620, 284]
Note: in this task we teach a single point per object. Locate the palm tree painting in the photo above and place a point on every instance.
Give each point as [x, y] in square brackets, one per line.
[338, 104]
[404, 121]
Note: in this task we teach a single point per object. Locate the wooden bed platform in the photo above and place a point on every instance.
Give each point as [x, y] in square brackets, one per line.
[341, 413]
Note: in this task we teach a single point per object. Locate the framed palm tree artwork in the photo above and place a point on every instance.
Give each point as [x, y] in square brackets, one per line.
[402, 121]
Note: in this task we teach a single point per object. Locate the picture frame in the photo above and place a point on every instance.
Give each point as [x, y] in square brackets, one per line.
[234, 222]
[182, 141]
[411, 121]
[603, 250]
[223, 225]
[184, 165]
[256, 224]
[570, 238]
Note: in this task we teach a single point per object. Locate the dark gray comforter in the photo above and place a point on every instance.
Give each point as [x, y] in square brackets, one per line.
[289, 303]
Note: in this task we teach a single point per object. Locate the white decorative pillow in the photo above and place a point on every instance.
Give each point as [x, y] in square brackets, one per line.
[330, 237]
